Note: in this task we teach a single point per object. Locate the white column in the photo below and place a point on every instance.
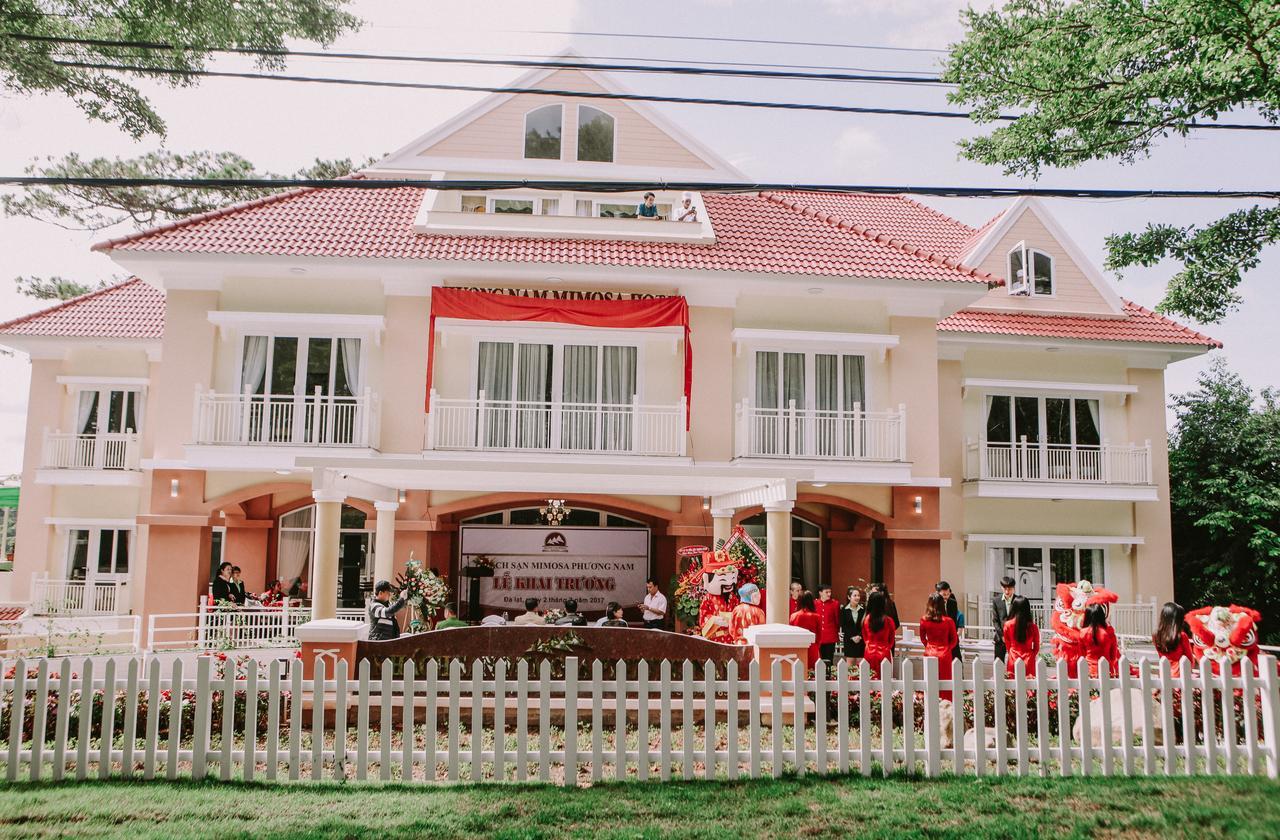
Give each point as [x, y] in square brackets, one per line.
[385, 541]
[721, 525]
[778, 566]
[324, 577]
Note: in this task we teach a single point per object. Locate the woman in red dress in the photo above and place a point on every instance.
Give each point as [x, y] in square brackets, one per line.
[1021, 638]
[1171, 640]
[877, 632]
[1098, 641]
[938, 632]
[806, 616]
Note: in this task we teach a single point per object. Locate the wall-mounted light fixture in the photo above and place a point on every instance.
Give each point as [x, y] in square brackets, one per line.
[919, 505]
[401, 497]
[706, 503]
[173, 488]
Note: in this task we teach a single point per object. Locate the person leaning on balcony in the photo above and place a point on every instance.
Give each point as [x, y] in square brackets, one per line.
[1021, 637]
[1000, 606]
[530, 614]
[382, 613]
[648, 208]
[222, 585]
[687, 212]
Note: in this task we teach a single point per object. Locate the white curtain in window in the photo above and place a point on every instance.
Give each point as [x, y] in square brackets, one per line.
[1093, 413]
[350, 350]
[533, 395]
[619, 385]
[855, 381]
[254, 367]
[766, 380]
[494, 380]
[87, 412]
[579, 393]
[295, 551]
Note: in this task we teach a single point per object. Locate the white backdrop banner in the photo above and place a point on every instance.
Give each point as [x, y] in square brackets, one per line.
[592, 565]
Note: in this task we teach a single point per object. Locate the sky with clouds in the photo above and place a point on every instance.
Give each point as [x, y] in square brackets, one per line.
[282, 126]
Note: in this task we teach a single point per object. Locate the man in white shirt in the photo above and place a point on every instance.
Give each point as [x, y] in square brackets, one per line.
[530, 614]
[654, 605]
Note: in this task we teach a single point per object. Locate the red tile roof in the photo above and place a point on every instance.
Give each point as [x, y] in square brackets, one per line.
[131, 309]
[12, 613]
[754, 233]
[1139, 324]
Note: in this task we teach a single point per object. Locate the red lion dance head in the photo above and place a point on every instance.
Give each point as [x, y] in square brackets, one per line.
[1225, 635]
[1073, 598]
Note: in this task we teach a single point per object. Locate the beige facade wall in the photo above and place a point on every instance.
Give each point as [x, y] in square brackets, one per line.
[403, 375]
[1153, 561]
[713, 378]
[951, 433]
[499, 134]
[34, 537]
[1072, 290]
[913, 382]
[188, 353]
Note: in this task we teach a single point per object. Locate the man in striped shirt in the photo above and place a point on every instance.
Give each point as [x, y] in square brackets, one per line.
[382, 613]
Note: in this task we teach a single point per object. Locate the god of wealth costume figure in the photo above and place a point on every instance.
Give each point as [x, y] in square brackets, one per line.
[1068, 618]
[719, 582]
[1225, 637]
[747, 614]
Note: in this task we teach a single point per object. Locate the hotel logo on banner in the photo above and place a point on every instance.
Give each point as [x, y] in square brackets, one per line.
[555, 541]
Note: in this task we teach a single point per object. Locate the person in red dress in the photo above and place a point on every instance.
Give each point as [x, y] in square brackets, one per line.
[806, 616]
[829, 628]
[1171, 640]
[793, 600]
[1098, 640]
[878, 631]
[1021, 637]
[940, 637]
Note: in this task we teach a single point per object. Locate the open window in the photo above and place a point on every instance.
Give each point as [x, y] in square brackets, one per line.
[595, 134]
[1030, 272]
[542, 129]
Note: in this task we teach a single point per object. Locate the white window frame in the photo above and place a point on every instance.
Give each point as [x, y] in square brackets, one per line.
[539, 205]
[524, 124]
[613, 153]
[558, 340]
[1042, 416]
[995, 570]
[91, 574]
[1027, 287]
[597, 203]
[810, 374]
[8, 520]
[311, 558]
[104, 391]
[300, 373]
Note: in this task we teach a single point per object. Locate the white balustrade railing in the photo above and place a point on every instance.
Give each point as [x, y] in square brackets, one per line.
[1137, 618]
[793, 431]
[72, 635]
[1025, 460]
[316, 419]
[103, 451]
[594, 428]
[232, 628]
[77, 597]
[491, 722]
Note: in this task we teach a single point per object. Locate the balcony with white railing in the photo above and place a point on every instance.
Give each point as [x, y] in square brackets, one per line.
[844, 435]
[78, 597]
[1028, 469]
[604, 429]
[102, 451]
[279, 420]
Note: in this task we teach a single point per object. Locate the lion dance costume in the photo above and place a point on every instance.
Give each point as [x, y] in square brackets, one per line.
[1068, 618]
[719, 583]
[1225, 636]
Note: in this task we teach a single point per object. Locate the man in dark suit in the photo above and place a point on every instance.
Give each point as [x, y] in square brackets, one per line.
[951, 609]
[1000, 612]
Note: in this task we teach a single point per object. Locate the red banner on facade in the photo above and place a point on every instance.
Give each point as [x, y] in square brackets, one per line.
[613, 314]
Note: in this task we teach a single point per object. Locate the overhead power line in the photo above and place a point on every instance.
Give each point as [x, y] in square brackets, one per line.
[463, 184]
[583, 94]
[560, 64]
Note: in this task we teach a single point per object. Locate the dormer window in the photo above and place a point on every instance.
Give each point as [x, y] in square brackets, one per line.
[1030, 272]
[542, 129]
[595, 134]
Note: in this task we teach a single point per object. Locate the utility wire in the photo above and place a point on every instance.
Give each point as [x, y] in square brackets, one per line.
[583, 94]
[558, 64]
[463, 184]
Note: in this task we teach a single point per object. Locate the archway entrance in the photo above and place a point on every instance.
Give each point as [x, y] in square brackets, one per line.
[295, 550]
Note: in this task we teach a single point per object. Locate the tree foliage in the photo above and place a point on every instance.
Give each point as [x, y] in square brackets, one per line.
[54, 288]
[1224, 490]
[1107, 79]
[95, 208]
[196, 28]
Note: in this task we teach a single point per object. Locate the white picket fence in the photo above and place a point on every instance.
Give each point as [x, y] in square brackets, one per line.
[453, 724]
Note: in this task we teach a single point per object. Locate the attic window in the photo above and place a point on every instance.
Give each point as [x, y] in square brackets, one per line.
[1040, 281]
[595, 134]
[542, 129]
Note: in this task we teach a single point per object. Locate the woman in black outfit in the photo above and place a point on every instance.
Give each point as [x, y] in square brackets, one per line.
[851, 614]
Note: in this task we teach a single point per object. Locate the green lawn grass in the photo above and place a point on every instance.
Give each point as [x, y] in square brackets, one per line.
[1044, 809]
